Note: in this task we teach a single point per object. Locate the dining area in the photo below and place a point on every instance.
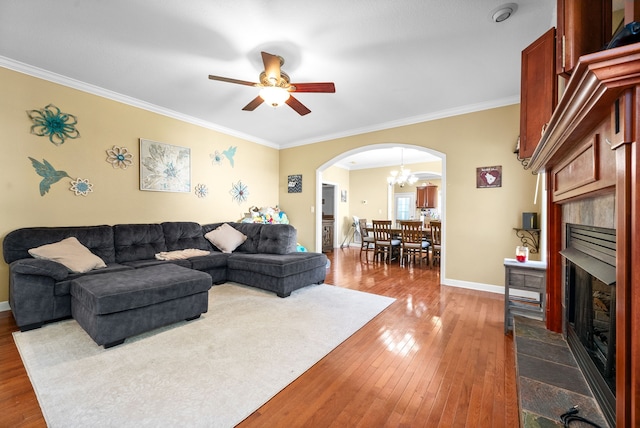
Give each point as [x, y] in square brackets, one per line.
[407, 242]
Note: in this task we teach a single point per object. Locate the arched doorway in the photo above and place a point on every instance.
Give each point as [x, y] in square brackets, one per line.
[322, 168]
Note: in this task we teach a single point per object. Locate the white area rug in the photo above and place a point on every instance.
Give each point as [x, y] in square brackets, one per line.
[214, 371]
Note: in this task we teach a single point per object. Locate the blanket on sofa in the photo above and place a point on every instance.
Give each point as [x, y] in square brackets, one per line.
[181, 254]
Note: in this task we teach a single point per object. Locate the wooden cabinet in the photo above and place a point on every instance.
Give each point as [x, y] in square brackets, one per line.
[426, 196]
[530, 277]
[584, 26]
[538, 95]
[327, 234]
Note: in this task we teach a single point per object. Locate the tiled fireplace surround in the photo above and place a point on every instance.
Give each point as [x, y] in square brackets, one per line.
[540, 350]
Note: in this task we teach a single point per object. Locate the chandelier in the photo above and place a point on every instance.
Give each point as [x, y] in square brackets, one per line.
[403, 176]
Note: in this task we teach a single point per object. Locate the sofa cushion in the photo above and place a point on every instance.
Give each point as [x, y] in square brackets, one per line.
[179, 235]
[277, 265]
[138, 241]
[226, 238]
[251, 230]
[215, 260]
[71, 253]
[98, 239]
[277, 239]
[155, 262]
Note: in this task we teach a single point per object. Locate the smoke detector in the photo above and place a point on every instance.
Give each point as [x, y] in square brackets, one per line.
[502, 13]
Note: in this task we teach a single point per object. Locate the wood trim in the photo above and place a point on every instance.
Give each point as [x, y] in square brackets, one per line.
[554, 263]
[580, 169]
[623, 292]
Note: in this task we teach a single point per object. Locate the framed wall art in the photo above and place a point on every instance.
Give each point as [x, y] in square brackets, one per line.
[489, 176]
[164, 167]
[294, 183]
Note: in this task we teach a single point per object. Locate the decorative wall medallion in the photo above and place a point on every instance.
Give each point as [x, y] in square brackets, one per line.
[51, 122]
[164, 168]
[201, 190]
[489, 176]
[294, 183]
[217, 157]
[239, 192]
[48, 173]
[119, 157]
[81, 187]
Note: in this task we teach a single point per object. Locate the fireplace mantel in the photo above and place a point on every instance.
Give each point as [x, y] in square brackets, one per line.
[590, 149]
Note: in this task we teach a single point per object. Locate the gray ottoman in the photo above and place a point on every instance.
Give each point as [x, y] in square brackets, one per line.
[114, 306]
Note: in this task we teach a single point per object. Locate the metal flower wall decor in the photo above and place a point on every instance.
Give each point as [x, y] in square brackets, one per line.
[239, 192]
[201, 190]
[119, 157]
[81, 186]
[51, 122]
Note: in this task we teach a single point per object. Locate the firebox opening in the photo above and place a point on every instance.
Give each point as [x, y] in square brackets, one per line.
[590, 309]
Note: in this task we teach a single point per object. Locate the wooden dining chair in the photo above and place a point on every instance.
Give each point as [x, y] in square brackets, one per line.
[414, 246]
[367, 241]
[436, 243]
[386, 247]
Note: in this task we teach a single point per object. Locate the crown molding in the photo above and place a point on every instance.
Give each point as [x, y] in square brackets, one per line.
[59, 79]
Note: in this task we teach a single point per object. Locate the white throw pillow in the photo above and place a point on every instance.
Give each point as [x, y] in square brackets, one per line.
[71, 253]
[226, 238]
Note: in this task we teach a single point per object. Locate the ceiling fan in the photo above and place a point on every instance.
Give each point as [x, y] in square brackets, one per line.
[276, 87]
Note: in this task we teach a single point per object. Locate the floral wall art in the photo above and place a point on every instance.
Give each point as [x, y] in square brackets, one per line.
[164, 168]
[239, 192]
[51, 122]
[119, 157]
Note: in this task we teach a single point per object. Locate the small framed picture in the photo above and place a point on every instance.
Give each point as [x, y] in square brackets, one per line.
[294, 183]
[343, 196]
[489, 176]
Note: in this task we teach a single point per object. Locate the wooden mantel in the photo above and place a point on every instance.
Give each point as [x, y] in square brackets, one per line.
[601, 104]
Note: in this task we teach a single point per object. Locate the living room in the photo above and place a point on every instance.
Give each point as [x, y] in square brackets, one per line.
[479, 222]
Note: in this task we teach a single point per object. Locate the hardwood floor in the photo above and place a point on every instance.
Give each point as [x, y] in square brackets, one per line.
[437, 357]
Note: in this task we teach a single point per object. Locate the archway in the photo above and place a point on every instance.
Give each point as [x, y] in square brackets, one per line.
[331, 162]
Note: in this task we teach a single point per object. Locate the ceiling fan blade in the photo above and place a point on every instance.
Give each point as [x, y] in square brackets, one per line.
[253, 104]
[314, 87]
[272, 67]
[300, 108]
[229, 80]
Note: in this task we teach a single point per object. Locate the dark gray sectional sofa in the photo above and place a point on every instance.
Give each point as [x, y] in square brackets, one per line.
[40, 290]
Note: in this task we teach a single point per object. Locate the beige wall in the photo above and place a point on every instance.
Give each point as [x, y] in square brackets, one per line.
[116, 197]
[478, 222]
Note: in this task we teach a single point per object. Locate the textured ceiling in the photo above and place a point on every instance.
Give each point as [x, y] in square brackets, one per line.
[393, 62]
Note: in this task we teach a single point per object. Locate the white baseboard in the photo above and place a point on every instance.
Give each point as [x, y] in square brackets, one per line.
[4, 306]
[473, 285]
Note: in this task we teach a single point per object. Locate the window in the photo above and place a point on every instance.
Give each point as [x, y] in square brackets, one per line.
[405, 206]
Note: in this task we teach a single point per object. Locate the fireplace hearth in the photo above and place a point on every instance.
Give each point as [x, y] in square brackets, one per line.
[590, 309]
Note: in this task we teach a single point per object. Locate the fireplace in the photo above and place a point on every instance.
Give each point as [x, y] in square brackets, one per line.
[590, 309]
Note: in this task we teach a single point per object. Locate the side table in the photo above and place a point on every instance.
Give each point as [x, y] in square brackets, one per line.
[527, 276]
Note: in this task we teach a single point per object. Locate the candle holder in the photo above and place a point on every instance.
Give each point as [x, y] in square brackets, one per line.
[522, 254]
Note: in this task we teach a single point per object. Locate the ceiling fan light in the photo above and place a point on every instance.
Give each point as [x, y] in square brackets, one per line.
[274, 96]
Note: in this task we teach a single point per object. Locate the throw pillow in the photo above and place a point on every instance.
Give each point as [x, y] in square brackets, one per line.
[71, 253]
[226, 238]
